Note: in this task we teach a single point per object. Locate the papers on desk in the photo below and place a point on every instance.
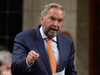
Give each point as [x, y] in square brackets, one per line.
[60, 73]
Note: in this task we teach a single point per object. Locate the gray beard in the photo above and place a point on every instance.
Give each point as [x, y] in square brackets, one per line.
[47, 32]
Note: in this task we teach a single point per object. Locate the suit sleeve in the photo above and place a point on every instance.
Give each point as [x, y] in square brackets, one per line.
[70, 70]
[19, 54]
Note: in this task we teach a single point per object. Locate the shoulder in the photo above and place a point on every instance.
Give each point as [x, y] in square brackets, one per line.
[29, 32]
[64, 37]
[24, 35]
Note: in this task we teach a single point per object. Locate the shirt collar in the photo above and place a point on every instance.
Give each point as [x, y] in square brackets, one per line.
[44, 36]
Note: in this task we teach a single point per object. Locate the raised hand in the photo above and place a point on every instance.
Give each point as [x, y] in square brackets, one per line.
[32, 56]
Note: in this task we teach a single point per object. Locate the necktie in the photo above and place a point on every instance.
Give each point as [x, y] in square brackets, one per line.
[52, 59]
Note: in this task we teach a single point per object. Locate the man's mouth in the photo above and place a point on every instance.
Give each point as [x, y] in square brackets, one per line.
[54, 30]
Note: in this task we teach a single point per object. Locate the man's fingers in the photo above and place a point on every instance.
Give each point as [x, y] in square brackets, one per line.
[34, 54]
[37, 55]
[30, 61]
[30, 57]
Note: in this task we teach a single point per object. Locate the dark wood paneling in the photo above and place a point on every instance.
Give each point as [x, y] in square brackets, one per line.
[93, 38]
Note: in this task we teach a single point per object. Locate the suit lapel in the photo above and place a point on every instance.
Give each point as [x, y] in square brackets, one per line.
[42, 50]
[60, 47]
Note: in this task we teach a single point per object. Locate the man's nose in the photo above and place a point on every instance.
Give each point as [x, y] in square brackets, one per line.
[56, 23]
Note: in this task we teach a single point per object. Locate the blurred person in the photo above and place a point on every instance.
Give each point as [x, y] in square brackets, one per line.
[32, 48]
[5, 62]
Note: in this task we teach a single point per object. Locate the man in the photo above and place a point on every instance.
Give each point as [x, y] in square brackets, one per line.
[31, 54]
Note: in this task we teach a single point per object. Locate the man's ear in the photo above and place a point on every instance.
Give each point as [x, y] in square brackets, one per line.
[41, 19]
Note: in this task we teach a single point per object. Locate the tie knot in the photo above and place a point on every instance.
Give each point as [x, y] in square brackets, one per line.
[48, 40]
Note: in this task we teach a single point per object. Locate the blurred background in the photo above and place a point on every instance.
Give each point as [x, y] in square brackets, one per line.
[82, 23]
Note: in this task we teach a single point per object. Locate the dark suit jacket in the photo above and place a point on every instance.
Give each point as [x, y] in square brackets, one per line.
[31, 40]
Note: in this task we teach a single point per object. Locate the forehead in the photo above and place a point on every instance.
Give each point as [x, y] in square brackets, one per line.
[55, 12]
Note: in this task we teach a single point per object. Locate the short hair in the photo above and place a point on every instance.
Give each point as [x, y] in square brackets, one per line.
[5, 57]
[49, 6]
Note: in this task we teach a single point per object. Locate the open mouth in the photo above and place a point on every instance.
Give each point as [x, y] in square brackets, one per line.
[54, 30]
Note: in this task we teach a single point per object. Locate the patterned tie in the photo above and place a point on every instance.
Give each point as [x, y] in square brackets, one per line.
[52, 59]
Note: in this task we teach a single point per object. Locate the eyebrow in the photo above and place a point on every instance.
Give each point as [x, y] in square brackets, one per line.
[55, 18]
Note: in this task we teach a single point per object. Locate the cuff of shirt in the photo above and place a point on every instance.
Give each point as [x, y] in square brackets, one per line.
[29, 66]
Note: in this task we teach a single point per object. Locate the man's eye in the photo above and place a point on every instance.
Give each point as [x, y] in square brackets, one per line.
[52, 18]
[59, 20]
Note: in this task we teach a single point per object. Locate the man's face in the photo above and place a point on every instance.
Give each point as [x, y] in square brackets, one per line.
[52, 22]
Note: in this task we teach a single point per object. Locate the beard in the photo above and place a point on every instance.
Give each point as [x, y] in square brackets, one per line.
[47, 31]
